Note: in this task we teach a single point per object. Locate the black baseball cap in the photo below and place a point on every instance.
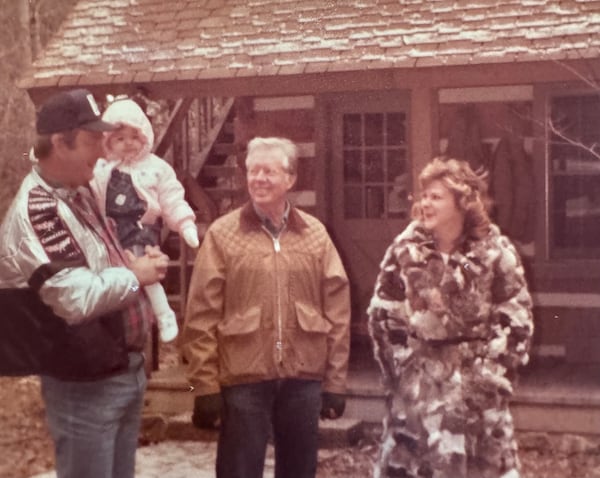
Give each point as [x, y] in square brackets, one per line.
[67, 110]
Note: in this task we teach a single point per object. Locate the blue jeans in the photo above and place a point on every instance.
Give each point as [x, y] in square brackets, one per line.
[288, 410]
[95, 425]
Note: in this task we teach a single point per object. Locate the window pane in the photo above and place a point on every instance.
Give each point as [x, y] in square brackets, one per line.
[374, 129]
[398, 204]
[575, 201]
[562, 154]
[374, 202]
[352, 135]
[396, 129]
[353, 202]
[396, 164]
[565, 116]
[352, 167]
[590, 118]
[576, 211]
[374, 165]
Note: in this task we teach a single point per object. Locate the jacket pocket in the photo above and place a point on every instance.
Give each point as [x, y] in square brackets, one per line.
[241, 347]
[309, 344]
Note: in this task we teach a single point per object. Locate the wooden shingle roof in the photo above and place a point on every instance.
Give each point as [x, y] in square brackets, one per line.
[140, 41]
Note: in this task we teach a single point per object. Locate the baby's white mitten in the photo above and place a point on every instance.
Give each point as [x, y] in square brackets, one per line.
[190, 235]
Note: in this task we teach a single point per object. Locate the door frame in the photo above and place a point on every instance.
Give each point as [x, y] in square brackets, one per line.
[330, 109]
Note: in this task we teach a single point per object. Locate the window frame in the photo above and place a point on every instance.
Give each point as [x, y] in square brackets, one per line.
[554, 252]
[387, 154]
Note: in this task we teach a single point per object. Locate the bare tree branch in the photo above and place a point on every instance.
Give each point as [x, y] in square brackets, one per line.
[566, 138]
[591, 80]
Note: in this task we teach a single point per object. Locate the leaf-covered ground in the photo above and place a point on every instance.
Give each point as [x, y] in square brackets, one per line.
[26, 448]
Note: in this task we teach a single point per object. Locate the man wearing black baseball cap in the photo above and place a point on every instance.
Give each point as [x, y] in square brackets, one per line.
[69, 126]
[57, 249]
[69, 110]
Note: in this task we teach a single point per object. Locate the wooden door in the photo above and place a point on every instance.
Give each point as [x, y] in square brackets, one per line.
[371, 185]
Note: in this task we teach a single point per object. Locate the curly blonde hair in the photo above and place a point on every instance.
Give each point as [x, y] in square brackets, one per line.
[470, 191]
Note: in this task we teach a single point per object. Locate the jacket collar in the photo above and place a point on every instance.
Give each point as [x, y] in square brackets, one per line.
[467, 246]
[251, 221]
[424, 238]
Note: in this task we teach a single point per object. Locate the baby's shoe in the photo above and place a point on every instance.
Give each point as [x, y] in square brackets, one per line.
[167, 326]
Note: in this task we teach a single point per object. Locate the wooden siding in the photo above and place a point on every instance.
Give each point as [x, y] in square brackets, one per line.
[567, 315]
[292, 117]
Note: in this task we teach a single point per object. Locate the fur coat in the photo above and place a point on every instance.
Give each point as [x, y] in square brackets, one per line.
[449, 334]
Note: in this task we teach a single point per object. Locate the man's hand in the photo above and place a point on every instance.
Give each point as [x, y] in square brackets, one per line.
[207, 411]
[332, 405]
[149, 268]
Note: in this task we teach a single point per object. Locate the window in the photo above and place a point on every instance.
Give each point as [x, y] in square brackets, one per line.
[574, 155]
[376, 173]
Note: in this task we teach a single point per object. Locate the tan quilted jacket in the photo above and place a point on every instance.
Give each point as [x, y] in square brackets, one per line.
[261, 309]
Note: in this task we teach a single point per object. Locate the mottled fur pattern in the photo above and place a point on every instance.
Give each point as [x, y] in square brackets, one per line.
[449, 334]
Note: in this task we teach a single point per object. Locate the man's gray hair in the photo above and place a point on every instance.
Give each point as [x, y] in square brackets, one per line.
[289, 149]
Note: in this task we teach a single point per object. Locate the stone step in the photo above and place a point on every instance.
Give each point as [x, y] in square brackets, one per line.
[160, 427]
[558, 398]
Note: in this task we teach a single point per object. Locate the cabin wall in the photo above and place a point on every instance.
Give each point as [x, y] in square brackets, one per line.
[499, 127]
[292, 117]
[503, 129]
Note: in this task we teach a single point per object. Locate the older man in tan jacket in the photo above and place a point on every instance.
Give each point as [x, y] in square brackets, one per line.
[267, 325]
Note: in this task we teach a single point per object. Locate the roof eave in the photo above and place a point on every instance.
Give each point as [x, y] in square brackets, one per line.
[283, 80]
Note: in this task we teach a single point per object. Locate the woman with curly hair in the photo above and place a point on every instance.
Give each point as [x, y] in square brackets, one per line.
[451, 321]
